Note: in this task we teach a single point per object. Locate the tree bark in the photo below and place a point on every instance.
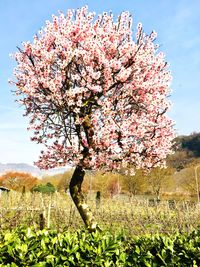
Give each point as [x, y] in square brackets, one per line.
[78, 198]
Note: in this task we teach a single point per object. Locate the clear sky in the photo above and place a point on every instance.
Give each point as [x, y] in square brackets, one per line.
[177, 23]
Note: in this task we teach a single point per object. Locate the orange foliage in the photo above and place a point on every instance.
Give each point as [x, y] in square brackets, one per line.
[18, 180]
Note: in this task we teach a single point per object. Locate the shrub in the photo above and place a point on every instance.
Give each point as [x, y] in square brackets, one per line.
[48, 188]
[26, 247]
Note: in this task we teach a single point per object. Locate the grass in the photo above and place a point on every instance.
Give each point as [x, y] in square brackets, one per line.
[134, 217]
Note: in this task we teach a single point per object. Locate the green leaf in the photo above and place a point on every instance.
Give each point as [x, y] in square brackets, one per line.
[137, 249]
[40, 264]
[8, 237]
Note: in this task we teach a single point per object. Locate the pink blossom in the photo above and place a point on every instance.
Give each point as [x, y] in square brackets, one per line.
[95, 94]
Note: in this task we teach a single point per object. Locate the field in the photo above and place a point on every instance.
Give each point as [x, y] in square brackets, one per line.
[46, 230]
[135, 216]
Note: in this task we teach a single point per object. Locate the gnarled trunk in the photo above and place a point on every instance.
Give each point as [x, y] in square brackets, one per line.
[78, 198]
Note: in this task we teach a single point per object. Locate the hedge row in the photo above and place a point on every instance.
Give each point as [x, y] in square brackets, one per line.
[26, 247]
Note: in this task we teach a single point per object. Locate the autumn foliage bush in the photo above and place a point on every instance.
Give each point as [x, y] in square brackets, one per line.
[18, 180]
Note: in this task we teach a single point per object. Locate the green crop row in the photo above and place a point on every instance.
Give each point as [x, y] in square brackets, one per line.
[27, 247]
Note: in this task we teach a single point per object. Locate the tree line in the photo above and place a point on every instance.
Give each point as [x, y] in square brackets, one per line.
[179, 173]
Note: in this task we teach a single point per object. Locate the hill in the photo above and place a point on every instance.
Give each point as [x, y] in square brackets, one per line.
[187, 151]
[23, 167]
[190, 143]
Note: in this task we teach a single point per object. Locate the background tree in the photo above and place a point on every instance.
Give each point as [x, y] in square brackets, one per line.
[53, 179]
[18, 180]
[160, 178]
[113, 187]
[60, 180]
[64, 181]
[134, 184]
[180, 159]
[97, 181]
[186, 180]
[96, 96]
[108, 183]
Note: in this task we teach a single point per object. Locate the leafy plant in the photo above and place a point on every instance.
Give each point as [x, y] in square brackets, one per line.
[48, 188]
[27, 247]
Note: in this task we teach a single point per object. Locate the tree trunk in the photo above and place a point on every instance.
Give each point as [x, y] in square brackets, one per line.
[78, 198]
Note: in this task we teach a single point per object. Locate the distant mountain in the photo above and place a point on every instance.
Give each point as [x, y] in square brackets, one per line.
[23, 167]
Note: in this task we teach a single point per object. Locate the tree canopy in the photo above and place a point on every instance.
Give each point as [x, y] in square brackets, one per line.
[96, 95]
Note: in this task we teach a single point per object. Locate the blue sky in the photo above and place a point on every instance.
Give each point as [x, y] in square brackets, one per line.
[176, 22]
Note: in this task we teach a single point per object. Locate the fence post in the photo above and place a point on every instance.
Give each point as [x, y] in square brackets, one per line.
[41, 221]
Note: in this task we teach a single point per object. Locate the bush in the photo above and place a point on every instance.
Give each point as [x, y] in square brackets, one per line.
[26, 247]
[160, 250]
[48, 188]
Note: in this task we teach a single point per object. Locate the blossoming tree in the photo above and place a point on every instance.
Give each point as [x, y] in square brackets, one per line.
[96, 96]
